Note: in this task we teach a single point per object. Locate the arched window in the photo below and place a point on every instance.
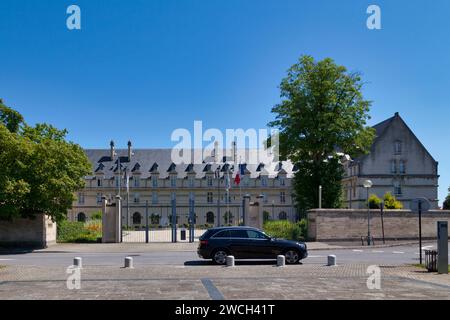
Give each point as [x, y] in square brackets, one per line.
[210, 217]
[155, 218]
[282, 215]
[81, 217]
[137, 218]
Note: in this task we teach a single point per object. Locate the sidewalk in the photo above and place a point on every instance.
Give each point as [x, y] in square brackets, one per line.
[174, 247]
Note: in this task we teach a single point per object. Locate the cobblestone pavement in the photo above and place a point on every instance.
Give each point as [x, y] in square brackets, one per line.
[216, 282]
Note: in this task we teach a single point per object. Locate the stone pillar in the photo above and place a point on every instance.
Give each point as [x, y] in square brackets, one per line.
[111, 221]
[260, 218]
[246, 214]
[118, 214]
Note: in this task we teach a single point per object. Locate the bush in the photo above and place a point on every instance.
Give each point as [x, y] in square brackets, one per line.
[79, 232]
[374, 202]
[286, 229]
[390, 202]
[96, 215]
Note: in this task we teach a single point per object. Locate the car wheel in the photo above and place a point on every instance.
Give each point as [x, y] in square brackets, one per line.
[220, 257]
[292, 256]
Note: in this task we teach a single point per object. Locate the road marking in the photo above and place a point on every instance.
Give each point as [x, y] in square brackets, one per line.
[213, 292]
[6, 259]
[316, 256]
[398, 252]
[357, 250]
[377, 251]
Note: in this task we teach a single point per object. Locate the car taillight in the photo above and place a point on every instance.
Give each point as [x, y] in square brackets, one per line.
[204, 242]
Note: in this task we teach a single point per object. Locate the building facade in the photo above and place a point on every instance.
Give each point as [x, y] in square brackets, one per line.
[397, 163]
[154, 180]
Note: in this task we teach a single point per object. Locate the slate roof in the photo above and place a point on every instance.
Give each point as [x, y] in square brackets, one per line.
[148, 161]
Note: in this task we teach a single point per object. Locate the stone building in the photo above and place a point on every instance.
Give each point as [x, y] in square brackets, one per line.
[397, 163]
[155, 180]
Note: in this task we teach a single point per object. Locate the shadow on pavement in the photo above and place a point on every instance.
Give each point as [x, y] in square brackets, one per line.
[237, 263]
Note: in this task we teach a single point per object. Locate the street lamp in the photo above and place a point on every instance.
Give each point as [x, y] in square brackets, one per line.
[368, 184]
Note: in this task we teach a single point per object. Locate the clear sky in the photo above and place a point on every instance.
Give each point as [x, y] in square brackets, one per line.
[139, 69]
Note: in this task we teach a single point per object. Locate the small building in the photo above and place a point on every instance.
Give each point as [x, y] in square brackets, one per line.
[397, 163]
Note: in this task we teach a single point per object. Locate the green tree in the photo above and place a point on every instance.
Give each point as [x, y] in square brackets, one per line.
[390, 202]
[41, 171]
[322, 111]
[10, 118]
[446, 205]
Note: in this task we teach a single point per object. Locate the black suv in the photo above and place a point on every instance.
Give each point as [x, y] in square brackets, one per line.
[247, 243]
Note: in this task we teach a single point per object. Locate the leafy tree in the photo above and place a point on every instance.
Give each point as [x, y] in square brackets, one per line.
[41, 171]
[390, 202]
[446, 205]
[374, 202]
[10, 118]
[322, 111]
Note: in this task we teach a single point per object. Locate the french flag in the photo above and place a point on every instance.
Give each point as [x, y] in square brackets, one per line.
[240, 172]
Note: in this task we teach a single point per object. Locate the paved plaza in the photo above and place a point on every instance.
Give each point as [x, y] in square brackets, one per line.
[173, 271]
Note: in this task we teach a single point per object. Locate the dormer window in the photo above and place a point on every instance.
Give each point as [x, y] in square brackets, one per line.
[210, 181]
[398, 147]
[99, 182]
[173, 181]
[154, 181]
[136, 182]
[282, 181]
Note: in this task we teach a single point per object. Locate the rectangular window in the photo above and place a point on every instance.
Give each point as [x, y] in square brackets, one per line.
[209, 197]
[191, 182]
[393, 166]
[264, 181]
[282, 197]
[398, 147]
[99, 182]
[397, 189]
[402, 166]
[154, 198]
[154, 181]
[80, 198]
[136, 198]
[210, 181]
[282, 182]
[137, 182]
[99, 198]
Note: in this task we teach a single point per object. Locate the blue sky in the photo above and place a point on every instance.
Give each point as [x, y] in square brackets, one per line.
[139, 69]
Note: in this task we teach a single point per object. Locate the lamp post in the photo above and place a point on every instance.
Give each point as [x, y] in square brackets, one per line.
[368, 184]
[218, 195]
[320, 197]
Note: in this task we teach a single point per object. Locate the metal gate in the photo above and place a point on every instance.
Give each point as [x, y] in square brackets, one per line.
[173, 233]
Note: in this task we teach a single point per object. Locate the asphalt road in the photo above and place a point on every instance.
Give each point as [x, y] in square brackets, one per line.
[378, 256]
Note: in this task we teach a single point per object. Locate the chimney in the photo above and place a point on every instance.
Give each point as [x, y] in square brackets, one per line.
[112, 149]
[216, 151]
[396, 114]
[130, 153]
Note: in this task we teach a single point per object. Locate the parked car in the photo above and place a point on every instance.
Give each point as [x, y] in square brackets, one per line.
[247, 243]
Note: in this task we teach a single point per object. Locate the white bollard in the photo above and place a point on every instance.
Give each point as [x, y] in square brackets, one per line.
[77, 262]
[230, 261]
[281, 261]
[331, 260]
[129, 262]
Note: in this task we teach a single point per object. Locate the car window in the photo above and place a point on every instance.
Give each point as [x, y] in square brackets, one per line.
[255, 234]
[238, 234]
[222, 234]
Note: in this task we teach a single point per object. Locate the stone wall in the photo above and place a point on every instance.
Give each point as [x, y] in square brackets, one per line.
[351, 224]
[39, 232]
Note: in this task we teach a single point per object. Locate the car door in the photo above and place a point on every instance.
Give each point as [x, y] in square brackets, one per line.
[239, 243]
[259, 245]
